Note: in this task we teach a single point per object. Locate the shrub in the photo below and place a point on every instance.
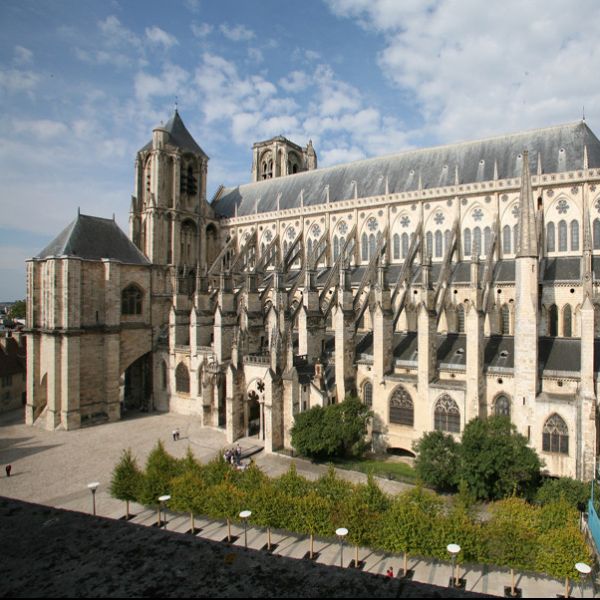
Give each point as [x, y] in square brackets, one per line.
[576, 493]
[333, 431]
[437, 460]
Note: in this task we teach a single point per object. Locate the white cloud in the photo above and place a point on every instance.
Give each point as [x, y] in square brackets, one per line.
[43, 129]
[167, 83]
[334, 156]
[23, 56]
[16, 80]
[296, 81]
[474, 69]
[237, 33]
[160, 37]
[201, 30]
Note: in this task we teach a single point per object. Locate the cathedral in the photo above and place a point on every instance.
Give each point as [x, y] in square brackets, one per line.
[438, 285]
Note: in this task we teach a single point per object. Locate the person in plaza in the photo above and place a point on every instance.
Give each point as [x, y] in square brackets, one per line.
[8, 470]
[390, 572]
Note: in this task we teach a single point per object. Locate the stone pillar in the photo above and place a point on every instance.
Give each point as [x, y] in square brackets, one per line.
[70, 377]
[52, 363]
[382, 329]
[291, 404]
[33, 377]
[345, 338]
[273, 412]
[225, 320]
[474, 321]
[112, 345]
[311, 325]
[426, 334]
[587, 394]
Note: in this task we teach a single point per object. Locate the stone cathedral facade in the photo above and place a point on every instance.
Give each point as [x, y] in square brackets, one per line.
[439, 285]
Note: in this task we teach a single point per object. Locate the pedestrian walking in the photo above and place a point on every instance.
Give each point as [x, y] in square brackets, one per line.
[8, 470]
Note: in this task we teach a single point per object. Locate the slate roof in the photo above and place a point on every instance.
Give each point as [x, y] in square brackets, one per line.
[560, 149]
[94, 238]
[179, 136]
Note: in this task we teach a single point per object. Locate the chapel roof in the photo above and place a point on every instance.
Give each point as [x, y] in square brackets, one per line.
[94, 238]
[558, 149]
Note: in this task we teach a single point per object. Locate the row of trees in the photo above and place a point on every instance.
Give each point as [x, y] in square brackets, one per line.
[518, 535]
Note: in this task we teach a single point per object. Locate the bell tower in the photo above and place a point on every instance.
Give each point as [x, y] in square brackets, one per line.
[169, 213]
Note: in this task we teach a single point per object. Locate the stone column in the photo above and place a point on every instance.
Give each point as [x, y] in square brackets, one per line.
[474, 320]
[345, 338]
[382, 329]
[426, 335]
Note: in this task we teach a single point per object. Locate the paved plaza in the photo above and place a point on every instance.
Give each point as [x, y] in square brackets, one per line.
[54, 468]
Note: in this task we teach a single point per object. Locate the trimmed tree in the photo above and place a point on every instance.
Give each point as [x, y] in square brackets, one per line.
[225, 501]
[437, 460]
[161, 468]
[512, 535]
[313, 517]
[126, 480]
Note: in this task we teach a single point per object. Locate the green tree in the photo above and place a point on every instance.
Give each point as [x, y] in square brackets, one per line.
[188, 490]
[225, 501]
[437, 460]
[560, 549]
[511, 535]
[333, 488]
[161, 468]
[333, 431]
[126, 481]
[18, 310]
[495, 460]
[292, 484]
[313, 517]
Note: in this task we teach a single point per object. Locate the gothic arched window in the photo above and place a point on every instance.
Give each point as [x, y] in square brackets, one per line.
[555, 435]
[460, 318]
[368, 394]
[372, 245]
[131, 300]
[502, 406]
[596, 234]
[562, 236]
[336, 247]
[396, 246]
[574, 235]
[438, 244]
[567, 321]
[404, 245]
[505, 315]
[550, 239]
[182, 379]
[429, 242]
[476, 241]
[447, 415]
[364, 243]
[516, 237]
[553, 321]
[467, 242]
[402, 410]
[447, 238]
[506, 239]
[487, 240]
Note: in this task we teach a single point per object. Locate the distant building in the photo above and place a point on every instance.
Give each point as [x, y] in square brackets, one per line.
[439, 285]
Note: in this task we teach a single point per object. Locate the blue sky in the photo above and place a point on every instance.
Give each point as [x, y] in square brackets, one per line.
[83, 83]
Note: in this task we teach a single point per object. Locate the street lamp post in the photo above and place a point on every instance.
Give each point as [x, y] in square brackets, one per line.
[93, 487]
[584, 570]
[454, 549]
[162, 500]
[341, 532]
[245, 515]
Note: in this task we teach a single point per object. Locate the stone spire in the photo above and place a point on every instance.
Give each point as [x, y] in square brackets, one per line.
[527, 226]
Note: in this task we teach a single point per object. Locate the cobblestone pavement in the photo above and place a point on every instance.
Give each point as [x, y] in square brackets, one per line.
[54, 468]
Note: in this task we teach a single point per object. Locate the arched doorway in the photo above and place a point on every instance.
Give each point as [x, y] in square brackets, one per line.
[254, 409]
[136, 385]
